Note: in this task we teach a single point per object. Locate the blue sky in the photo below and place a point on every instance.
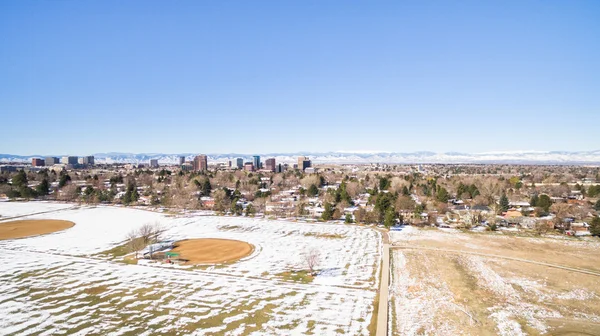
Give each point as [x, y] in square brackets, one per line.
[84, 77]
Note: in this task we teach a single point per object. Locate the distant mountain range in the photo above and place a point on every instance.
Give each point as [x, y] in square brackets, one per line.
[515, 157]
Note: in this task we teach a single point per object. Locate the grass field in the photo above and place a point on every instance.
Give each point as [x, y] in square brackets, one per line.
[212, 251]
[31, 227]
[454, 291]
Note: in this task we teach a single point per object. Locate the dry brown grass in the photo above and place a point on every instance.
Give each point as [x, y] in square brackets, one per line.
[32, 227]
[566, 252]
[212, 251]
[457, 301]
[460, 298]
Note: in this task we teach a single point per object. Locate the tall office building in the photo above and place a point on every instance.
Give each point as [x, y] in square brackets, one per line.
[270, 164]
[240, 163]
[201, 163]
[51, 160]
[256, 162]
[181, 160]
[153, 163]
[72, 160]
[88, 160]
[303, 162]
[248, 166]
[37, 162]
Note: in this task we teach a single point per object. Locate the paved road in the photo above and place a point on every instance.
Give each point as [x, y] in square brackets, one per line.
[382, 313]
[500, 257]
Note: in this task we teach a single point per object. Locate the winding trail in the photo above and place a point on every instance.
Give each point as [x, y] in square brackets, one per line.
[566, 268]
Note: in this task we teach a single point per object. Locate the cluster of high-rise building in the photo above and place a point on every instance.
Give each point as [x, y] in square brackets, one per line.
[66, 160]
[200, 163]
[255, 165]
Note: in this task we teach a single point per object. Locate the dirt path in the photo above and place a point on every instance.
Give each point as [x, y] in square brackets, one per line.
[499, 257]
[384, 285]
[382, 314]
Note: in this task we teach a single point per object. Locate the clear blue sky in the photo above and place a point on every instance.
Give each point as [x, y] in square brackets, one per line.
[84, 77]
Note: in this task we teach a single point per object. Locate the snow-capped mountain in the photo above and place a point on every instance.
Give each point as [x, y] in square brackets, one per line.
[517, 157]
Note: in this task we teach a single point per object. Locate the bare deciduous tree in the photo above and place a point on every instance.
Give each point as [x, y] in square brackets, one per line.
[150, 233]
[541, 227]
[134, 243]
[310, 180]
[353, 189]
[561, 211]
[259, 204]
[69, 192]
[278, 180]
[301, 209]
[405, 203]
[398, 184]
[222, 202]
[312, 259]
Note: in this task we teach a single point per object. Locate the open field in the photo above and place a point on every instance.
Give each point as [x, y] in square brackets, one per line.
[10, 210]
[64, 283]
[31, 227]
[210, 251]
[449, 292]
[562, 250]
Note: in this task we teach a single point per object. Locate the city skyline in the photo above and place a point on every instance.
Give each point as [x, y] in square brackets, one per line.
[518, 157]
[291, 77]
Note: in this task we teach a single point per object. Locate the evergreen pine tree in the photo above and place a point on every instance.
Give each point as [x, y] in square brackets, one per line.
[595, 226]
[43, 188]
[390, 217]
[544, 202]
[534, 200]
[504, 204]
[19, 180]
[206, 187]
[328, 213]
[442, 195]
[64, 178]
[313, 190]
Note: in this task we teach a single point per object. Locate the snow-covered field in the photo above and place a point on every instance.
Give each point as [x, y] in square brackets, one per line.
[58, 284]
[14, 209]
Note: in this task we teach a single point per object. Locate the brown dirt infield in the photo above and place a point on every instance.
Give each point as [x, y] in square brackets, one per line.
[32, 227]
[212, 250]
